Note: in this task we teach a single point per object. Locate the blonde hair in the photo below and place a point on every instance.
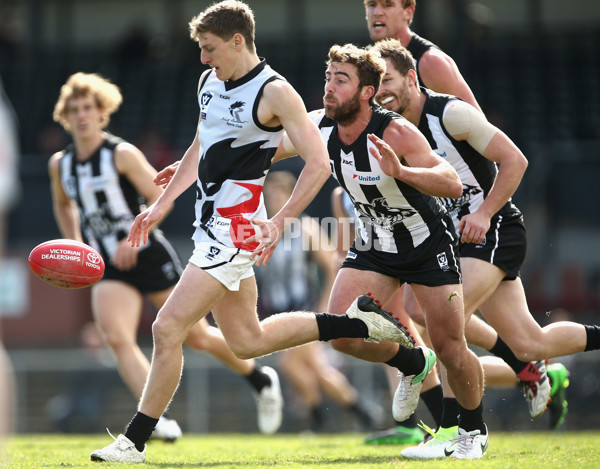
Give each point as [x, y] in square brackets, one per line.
[106, 94]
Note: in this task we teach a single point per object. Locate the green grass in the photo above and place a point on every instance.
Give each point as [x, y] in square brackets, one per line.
[507, 450]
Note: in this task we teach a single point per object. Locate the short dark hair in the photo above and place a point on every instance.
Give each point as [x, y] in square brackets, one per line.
[224, 19]
[400, 56]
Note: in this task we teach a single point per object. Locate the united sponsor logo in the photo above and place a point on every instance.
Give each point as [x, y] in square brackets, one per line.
[362, 178]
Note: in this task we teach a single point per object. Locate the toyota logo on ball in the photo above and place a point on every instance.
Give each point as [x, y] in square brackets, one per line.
[93, 258]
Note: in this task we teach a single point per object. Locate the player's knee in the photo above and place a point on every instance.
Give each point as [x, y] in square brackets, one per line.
[449, 352]
[166, 333]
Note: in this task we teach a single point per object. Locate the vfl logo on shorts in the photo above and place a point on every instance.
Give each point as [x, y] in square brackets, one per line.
[351, 255]
[214, 252]
[443, 261]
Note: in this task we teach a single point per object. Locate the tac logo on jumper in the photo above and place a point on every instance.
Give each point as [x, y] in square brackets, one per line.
[205, 99]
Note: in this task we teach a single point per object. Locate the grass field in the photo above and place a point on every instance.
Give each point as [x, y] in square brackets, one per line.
[507, 450]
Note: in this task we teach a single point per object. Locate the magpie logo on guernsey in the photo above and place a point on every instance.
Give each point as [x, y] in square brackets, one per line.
[235, 109]
[205, 99]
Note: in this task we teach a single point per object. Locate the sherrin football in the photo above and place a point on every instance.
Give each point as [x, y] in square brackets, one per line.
[66, 263]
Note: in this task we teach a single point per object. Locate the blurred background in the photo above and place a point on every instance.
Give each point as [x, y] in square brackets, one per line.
[534, 67]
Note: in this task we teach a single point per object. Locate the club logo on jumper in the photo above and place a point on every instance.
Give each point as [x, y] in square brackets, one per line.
[213, 252]
[205, 99]
[368, 178]
[443, 261]
[235, 109]
[455, 205]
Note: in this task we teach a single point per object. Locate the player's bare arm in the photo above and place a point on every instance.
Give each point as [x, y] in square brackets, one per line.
[65, 210]
[465, 123]
[439, 72]
[422, 168]
[132, 164]
[282, 104]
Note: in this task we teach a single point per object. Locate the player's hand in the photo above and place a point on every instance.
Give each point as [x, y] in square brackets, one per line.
[267, 239]
[165, 175]
[125, 257]
[387, 158]
[473, 227]
[138, 234]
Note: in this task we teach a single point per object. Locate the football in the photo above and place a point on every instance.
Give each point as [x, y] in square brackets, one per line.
[66, 263]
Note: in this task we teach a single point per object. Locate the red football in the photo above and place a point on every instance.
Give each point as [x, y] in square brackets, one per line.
[66, 263]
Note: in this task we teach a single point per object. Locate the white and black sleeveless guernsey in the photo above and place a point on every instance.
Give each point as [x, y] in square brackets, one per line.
[108, 203]
[476, 172]
[235, 155]
[417, 46]
[394, 217]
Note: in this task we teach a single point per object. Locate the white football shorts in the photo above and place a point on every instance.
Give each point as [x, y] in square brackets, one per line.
[229, 265]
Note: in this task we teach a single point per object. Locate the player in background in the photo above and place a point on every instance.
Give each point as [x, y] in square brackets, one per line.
[244, 108]
[493, 239]
[99, 182]
[299, 276]
[9, 191]
[438, 71]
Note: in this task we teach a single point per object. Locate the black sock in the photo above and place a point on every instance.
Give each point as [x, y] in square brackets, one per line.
[433, 399]
[500, 349]
[450, 411]
[139, 429]
[470, 420]
[408, 361]
[258, 379]
[410, 422]
[593, 338]
[335, 326]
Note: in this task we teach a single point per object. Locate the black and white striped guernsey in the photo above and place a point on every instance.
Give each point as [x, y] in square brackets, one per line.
[107, 201]
[394, 216]
[476, 172]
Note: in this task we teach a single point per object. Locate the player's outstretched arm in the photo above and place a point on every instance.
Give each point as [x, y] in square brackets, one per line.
[65, 210]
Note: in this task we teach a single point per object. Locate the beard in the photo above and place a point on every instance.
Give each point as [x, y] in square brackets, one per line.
[402, 99]
[345, 113]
